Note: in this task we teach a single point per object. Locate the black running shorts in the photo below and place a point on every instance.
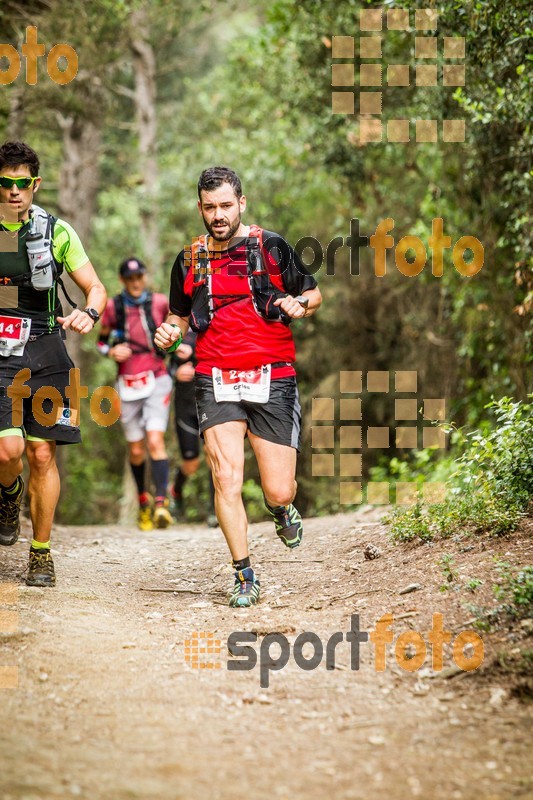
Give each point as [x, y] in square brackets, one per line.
[49, 363]
[186, 419]
[278, 420]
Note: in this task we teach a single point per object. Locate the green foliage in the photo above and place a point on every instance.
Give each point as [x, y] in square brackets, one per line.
[473, 584]
[515, 590]
[491, 487]
[446, 565]
[501, 459]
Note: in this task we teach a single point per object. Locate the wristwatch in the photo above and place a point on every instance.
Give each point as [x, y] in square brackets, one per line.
[93, 313]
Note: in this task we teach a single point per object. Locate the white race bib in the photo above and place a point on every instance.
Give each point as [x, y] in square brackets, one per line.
[14, 333]
[136, 387]
[233, 385]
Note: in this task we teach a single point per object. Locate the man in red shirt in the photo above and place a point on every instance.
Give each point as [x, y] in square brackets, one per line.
[144, 385]
[240, 287]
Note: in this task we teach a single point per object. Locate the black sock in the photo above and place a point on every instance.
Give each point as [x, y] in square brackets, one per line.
[160, 470]
[138, 474]
[179, 482]
[211, 494]
[241, 563]
[15, 486]
[275, 509]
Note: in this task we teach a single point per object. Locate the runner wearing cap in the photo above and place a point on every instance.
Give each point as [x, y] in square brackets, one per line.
[144, 385]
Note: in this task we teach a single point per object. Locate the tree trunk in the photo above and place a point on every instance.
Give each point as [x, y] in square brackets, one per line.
[17, 116]
[145, 111]
[78, 186]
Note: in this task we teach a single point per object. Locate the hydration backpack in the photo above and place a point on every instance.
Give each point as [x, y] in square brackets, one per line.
[261, 289]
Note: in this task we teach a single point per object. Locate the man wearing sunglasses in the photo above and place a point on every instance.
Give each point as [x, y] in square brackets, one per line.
[33, 354]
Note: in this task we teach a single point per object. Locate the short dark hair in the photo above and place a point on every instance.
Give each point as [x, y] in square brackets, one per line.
[214, 177]
[16, 154]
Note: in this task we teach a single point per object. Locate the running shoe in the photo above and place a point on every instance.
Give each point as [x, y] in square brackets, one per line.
[144, 518]
[41, 569]
[289, 525]
[162, 516]
[176, 507]
[246, 590]
[9, 514]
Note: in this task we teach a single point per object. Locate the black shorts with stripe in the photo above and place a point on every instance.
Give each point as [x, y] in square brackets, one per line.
[186, 420]
[278, 420]
[49, 363]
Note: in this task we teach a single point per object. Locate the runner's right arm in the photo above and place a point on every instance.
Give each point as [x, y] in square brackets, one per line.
[177, 320]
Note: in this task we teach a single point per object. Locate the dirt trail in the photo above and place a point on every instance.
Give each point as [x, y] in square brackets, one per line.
[107, 706]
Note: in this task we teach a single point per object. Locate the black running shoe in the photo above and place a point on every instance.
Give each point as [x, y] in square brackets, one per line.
[246, 590]
[289, 525]
[41, 569]
[9, 514]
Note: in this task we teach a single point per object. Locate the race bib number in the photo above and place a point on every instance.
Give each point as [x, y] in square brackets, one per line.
[136, 387]
[14, 333]
[233, 385]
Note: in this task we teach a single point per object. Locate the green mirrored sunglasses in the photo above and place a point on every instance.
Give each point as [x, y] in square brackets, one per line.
[21, 183]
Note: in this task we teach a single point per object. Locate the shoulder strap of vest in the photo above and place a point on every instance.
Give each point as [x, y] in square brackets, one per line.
[120, 321]
[120, 313]
[147, 305]
[58, 264]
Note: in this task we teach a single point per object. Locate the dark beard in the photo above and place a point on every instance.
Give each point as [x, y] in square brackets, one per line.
[227, 236]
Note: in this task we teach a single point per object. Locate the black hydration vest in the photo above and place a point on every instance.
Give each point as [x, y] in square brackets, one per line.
[42, 307]
[260, 288]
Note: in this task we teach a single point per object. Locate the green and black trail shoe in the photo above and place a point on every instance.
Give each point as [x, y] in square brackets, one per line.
[10, 512]
[246, 590]
[41, 569]
[289, 525]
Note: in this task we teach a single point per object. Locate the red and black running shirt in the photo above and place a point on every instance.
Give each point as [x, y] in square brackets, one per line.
[238, 337]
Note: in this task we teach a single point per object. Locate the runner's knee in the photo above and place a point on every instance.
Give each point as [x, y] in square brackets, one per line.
[189, 466]
[136, 452]
[11, 449]
[279, 495]
[228, 480]
[41, 457]
[156, 444]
